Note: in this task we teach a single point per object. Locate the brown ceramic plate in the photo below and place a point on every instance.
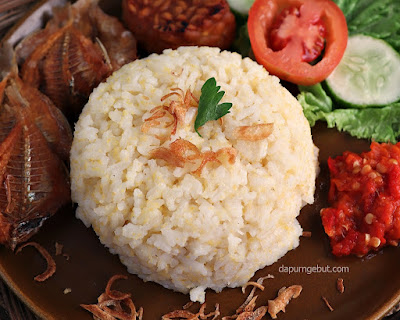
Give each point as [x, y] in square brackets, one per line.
[372, 283]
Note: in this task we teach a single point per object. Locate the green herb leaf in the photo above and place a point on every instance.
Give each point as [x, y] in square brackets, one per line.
[209, 109]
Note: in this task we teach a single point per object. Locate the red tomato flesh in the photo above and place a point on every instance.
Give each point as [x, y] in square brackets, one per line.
[365, 198]
[292, 25]
[286, 35]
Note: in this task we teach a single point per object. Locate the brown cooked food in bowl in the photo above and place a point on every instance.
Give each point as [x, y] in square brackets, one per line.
[161, 24]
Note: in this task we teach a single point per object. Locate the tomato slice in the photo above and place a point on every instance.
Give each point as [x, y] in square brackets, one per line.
[286, 35]
[290, 23]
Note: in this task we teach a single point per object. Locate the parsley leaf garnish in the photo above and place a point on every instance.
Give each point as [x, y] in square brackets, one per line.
[209, 109]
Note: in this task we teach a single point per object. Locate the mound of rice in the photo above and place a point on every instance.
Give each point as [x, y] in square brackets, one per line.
[188, 231]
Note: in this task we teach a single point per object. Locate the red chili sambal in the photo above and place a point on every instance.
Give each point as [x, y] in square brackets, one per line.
[365, 200]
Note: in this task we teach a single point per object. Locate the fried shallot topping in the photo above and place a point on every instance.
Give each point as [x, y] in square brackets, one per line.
[115, 294]
[283, 299]
[254, 284]
[175, 109]
[327, 303]
[253, 315]
[246, 310]
[114, 304]
[51, 265]
[186, 314]
[340, 285]
[182, 151]
[306, 234]
[254, 132]
[251, 295]
[188, 305]
[59, 248]
[179, 152]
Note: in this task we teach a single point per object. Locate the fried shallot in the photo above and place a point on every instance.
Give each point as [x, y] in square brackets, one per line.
[178, 154]
[59, 248]
[253, 133]
[172, 108]
[185, 314]
[115, 294]
[340, 285]
[35, 138]
[306, 234]
[257, 314]
[181, 152]
[114, 304]
[328, 305]
[245, 311]
[79, 47]
[51, 265]
[251, 295]
[254, 284]
[283, 299]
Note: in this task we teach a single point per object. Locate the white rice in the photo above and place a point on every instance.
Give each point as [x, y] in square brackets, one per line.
[190, 232]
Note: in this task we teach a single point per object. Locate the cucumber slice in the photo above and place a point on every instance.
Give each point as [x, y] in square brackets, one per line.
[368, 74]
[241, 6]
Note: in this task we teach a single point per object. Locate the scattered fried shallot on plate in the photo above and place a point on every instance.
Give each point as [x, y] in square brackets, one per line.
[327, 303]
[51, 265]
[114, 304]
[258, 314]
[186, 314]
[59, 248]
[340, 285]
[306, 234]
[246, 310]
[283, 299]
[251, 295]
[59, 251]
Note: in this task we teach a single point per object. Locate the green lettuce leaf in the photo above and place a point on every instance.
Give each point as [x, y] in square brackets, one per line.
[316, 103]
[376, 18]
[379, 124]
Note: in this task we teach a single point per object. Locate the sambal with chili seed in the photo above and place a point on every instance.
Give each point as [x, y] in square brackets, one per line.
[365, 200]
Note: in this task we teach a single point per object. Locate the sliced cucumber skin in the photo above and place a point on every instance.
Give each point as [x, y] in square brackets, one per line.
[344, 93]
[241, 6]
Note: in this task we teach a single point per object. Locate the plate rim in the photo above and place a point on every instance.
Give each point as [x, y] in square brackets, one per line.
[45, 5]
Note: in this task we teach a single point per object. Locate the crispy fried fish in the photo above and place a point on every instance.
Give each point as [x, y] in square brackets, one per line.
[35, 138]
[79, 47]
